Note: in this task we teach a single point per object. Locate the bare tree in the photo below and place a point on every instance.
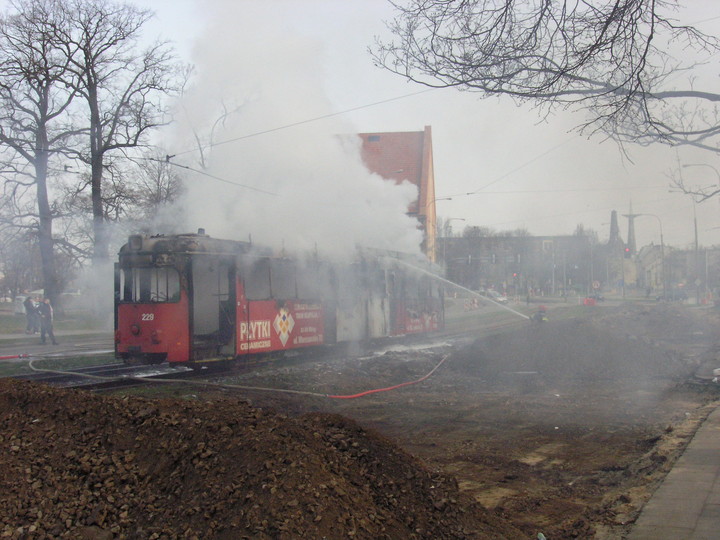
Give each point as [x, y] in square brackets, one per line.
[157, 184]
[473, 231]
[134, 195]
[611, 58]
[34, 130]
[118, 198]
[18, 251]
[122, 85]
[204, 132]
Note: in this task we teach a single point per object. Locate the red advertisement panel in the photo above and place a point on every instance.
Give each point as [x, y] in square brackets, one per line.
[410, 319]
[273, 326]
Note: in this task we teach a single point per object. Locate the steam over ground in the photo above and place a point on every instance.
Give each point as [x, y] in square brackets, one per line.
[302, 187]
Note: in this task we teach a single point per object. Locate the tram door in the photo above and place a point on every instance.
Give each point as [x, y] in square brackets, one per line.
[213, 314]
[394, 291]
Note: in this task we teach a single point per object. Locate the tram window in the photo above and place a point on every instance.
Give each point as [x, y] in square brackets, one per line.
[308, 282]
[257, 280]
[398, 286]
[379, 282]
[125, 286]
[348, 283]
[327, 283]
[423, 287]
[150, 285]
[282, 279]
[391, 284]
[412, 287]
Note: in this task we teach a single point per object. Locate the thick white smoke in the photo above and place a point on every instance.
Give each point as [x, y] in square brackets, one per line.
[306, 186]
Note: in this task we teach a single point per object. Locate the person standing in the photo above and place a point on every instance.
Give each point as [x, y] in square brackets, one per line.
[46, 321]
[31, 313]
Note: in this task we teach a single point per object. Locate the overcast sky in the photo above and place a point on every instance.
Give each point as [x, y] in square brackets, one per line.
[525, 171]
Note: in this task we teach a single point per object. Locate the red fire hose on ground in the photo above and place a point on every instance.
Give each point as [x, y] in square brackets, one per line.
[394, 387]
[303, 392]
[279, 390]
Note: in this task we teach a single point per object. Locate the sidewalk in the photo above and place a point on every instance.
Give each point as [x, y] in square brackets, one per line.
[686, 506]
[35, 338]
[69, 340]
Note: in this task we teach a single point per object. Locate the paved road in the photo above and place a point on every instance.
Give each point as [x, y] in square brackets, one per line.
[69, 341]
[686, 506]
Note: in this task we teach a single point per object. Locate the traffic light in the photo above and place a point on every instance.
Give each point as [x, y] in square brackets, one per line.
[627, 252]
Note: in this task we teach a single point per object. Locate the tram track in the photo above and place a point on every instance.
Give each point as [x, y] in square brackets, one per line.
[117, 376]
[100, 377]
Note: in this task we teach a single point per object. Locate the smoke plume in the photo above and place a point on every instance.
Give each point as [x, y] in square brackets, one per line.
[302, 187]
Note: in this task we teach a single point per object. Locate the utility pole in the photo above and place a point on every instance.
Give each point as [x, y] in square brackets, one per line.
[631, 246]
[697, 257]
[662, 255]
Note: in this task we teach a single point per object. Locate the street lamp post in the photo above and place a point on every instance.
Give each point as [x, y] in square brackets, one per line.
[697, 247]
[662, 253]
[717, 174]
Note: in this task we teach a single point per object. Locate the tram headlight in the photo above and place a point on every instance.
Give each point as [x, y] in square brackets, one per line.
[155, 337]
[134, 329]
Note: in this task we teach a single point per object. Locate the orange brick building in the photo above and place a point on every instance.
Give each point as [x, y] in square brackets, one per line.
[407, 156]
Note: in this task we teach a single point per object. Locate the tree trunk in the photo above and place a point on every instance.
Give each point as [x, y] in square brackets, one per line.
[45, 239]
[101, 251]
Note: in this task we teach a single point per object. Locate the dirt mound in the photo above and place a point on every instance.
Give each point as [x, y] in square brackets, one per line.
[85, 466]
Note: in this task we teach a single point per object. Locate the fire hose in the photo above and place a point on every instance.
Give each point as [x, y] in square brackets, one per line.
[394, 387]
[11, 357]
[256, 388]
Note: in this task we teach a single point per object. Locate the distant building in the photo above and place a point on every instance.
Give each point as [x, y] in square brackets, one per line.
[407, 156]
[680, 273]
[651, 272]
[520, 264]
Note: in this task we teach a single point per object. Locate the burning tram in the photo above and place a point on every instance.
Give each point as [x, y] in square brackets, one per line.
[193, 298]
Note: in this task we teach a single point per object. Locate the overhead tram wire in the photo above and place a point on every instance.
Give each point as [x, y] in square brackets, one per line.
[567, 214]
[278, 128]
[522, 166]
[307, 121]
[381, 102]
[360, 107]
[568, 190]
[516, 169]
[220, 179]
[330, 115]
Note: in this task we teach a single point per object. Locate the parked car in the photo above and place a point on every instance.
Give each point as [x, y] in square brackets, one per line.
[673, 295]
[496, 297]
